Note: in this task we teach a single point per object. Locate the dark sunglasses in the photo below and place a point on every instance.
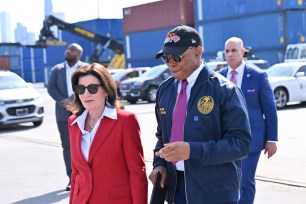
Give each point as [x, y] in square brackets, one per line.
[80, 89]
[176, 58]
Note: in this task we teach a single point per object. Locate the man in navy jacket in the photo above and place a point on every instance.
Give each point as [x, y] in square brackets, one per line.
[216, 130]
[261, 109]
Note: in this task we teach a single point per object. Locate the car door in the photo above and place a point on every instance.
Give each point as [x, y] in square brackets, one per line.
[301, 81]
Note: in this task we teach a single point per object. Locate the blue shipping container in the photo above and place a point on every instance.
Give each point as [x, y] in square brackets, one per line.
[55, 54]
[27, 70]
[263, 33]
[296, 26]
[10, 49]
[26, 52]
[33, 64]
[293, 4]
[142, 63]
[208, 10]
[143, 46]
[39, 70]
[112, 28]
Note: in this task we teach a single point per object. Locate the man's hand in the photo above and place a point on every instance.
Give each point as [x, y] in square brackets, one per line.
[66, 103]
[174, 151]
[163, 172]
[270, 148]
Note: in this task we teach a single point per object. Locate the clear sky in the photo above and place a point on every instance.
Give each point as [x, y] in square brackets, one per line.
[31, 12]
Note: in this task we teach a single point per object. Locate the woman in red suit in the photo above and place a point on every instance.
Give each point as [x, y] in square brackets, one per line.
[106, 152]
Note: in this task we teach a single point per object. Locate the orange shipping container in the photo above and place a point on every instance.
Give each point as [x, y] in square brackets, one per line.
[4, 63]
[157, 15]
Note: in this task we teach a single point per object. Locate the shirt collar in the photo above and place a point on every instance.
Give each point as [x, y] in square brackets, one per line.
[239, 69]
[74, 66]
[193, 77]
[109, 112]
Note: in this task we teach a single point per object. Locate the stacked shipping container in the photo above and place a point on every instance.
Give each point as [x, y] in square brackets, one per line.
[267, 26]
[33, 63]
[10, 57]
[145, 28]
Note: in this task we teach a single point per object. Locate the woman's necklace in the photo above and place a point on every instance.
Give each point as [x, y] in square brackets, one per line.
[90, 123]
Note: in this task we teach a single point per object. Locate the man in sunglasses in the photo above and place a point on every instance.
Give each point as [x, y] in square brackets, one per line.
[60, 89]
[203, 129]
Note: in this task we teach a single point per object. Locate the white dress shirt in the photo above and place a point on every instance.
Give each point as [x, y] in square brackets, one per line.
[191, 80]
[69, 71]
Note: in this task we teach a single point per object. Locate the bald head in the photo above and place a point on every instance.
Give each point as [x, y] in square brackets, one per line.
[236, 40]
[234, 51]
[73, 54]
[78, 47]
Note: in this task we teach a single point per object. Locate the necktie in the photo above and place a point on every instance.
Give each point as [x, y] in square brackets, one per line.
[179, 115]
[234, 76]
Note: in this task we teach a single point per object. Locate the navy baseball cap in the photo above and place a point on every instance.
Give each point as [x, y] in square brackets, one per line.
[178, 40]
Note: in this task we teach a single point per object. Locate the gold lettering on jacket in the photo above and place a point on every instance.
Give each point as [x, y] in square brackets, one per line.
[162, 111]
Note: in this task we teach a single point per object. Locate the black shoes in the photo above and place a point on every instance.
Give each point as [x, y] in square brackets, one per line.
[68, 187]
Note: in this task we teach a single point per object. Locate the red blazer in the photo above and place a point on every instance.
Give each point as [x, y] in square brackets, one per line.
[115, 172]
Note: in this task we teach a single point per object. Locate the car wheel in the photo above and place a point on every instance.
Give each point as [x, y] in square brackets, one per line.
[37, 123]
[281, 97]
[151, 94]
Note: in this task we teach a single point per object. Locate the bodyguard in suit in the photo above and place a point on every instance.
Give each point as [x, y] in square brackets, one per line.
[60, 89]
[200, 142]
[261, 109]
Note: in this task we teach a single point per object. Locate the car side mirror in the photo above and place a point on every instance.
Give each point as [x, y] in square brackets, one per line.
[300, 74]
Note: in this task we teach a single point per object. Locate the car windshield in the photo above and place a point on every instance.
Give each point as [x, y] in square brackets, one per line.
[281, 70]
[12, 82]
[154, 72]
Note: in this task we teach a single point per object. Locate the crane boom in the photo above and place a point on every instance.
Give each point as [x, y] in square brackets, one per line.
[102, 42]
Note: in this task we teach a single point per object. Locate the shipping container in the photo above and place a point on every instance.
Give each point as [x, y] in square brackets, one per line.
[5, 63]
[293, 4]
[111, 28]
[27, 70]
[208, 10]
[11, 49]
[143, 62]
[55, 54]
[295, 24]
[264, 33]
[33, 64]
[15, 63]
[39, 70]
[157, 15]
[142, 47]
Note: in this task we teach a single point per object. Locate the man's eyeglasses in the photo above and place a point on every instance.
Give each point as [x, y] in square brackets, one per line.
[80, 89]
[176, 58]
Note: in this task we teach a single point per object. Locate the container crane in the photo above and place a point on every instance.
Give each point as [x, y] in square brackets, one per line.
[47, 37]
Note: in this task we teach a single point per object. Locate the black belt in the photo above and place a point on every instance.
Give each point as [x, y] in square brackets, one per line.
[180, 173]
